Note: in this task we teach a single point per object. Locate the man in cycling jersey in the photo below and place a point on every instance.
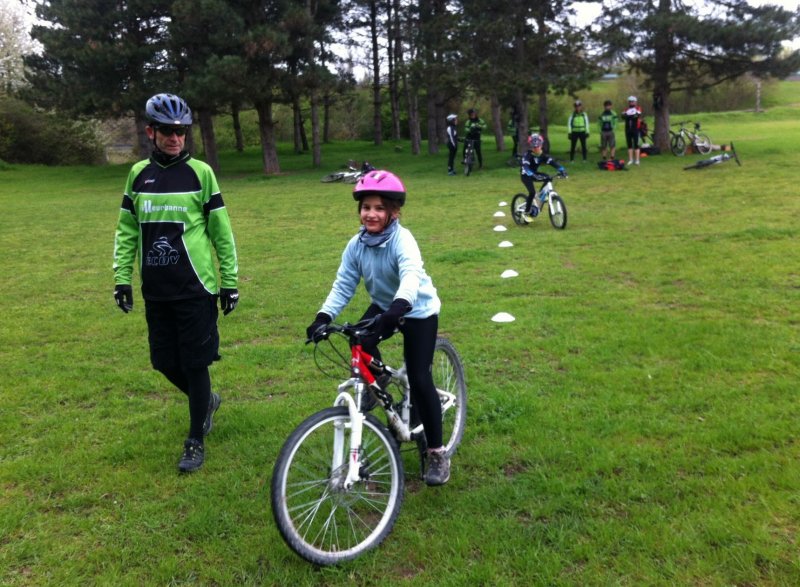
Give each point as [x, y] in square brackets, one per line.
[173, 217]
[473, 129]
[578, 130]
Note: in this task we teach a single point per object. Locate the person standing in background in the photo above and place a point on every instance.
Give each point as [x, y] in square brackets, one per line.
[578, 130]
[608, 123]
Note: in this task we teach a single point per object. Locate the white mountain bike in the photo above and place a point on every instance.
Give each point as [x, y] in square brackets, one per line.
[556, 207]
[337, 485]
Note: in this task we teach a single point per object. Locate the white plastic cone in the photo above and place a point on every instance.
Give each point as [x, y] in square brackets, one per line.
[503, 317]
[505, 244]
[500, 228]
[509, 273]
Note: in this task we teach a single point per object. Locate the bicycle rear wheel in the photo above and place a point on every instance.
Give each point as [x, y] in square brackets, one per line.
[318, 518]
[703, 143]
[448, 376]
[558, 211]
[331, 177]
[518, 205]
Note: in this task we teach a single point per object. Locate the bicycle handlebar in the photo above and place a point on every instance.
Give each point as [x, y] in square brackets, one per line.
[355, 331]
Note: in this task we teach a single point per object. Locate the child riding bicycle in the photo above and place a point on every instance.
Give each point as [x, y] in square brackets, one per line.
[386, 256]
[529, 167]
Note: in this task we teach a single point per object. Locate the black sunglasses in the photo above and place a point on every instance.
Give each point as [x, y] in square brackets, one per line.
[168, 131]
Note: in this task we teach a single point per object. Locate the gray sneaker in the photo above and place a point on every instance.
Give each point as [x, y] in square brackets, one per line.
[213, 406]
[193, 456]
[438, 471]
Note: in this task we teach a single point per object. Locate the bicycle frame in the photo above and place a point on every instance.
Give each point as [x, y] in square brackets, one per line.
[361, 365]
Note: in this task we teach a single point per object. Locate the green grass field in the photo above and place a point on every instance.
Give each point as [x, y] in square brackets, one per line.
[636, 425]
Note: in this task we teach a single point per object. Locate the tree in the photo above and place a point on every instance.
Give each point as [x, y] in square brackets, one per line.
[515, 50]
[202, 31]
[99, 60]
[677, 47]
[15, 43]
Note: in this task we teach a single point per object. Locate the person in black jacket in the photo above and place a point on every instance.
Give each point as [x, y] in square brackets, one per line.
[452, 142]
[473, 129]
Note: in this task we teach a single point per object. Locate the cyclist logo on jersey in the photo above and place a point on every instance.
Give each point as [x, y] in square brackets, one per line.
[162, 253]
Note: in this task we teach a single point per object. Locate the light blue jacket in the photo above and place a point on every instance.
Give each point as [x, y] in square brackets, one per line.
[392, 270]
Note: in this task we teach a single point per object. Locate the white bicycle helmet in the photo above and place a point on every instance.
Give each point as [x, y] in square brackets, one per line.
[451, 117]
[632, 99]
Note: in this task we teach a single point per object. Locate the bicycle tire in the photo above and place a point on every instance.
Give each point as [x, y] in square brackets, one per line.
[352, 177]
[703, 143]
[331, 177]
[518, 205]
[700, 164]
[678, 146]
[319, 520]
[448, 376]
[468, 164]
[558, 211]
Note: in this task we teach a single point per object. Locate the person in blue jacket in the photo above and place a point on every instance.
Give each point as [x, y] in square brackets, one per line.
[386, 256]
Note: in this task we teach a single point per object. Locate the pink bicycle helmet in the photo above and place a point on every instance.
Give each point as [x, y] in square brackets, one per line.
[380, 183]
[535, 141]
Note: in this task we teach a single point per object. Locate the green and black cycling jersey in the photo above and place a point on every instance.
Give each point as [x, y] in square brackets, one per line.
[174, 219]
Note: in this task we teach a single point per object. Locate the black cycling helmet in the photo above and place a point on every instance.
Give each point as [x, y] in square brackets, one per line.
[168, 110]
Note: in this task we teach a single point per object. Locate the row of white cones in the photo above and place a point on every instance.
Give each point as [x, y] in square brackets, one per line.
[504, 316]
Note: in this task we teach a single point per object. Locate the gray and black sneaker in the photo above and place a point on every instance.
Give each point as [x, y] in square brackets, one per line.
[438, 471]
[193, 456]
[213, 406]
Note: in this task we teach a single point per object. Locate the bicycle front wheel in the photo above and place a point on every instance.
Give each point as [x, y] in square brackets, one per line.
[518, 205]
[318, 517]
[558, 211]
[448, 376]
[678, 146]
[703, 143]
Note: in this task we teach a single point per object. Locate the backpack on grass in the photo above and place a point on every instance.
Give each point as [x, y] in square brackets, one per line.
[612, 165]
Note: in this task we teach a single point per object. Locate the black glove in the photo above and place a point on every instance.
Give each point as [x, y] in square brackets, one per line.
[387, 323]
[123, 295]
[320, 321]
[228, 299]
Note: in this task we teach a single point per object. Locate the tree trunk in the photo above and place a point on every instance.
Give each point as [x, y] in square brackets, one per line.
[543, 122]
[144, 146]
[523, 125]
[237, 128]
[412, 102]
[316, 147]
[433, 139]
[376, 73]
[297, 125]
[326, 113]
[497, 123]
[206, 123]
[266, 131]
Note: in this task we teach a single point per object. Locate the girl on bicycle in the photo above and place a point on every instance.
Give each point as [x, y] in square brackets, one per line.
[529, 172]
[386, 256]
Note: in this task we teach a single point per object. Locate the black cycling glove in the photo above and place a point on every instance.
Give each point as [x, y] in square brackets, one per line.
[228, 299]
[387, 323]
[321, 320]
[123, 296]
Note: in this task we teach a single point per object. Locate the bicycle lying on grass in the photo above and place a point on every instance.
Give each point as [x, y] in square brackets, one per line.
[684, 138]
[337, 485]
[556, 207]
[721, 158]
[351, 175]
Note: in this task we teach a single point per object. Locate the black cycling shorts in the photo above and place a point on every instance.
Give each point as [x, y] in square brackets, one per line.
[183, 333]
